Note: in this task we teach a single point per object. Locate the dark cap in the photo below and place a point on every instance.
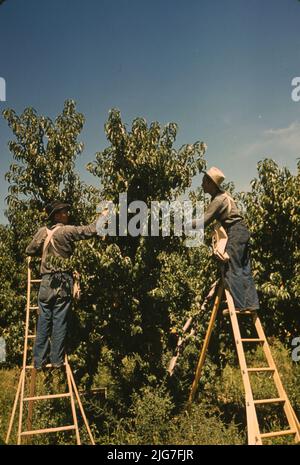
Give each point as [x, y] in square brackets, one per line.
[56, 206]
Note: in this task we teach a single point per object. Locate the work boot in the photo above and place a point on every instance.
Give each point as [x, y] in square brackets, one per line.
[241, 311]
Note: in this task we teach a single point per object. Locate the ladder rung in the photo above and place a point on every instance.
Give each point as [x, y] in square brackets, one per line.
[261, 369]
[238, 312]
[31, 336]
[49, 365]
[101, 390]
[34, 307]
[35, 280]
[48, 430]
[278, 433]
[252, 340]
[270, 401]
[48, 396]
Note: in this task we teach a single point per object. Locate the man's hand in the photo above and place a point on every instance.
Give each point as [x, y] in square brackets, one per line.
[105, 212]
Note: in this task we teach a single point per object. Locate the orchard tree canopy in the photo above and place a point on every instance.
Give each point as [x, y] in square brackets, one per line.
[137, 292]
[273, 213]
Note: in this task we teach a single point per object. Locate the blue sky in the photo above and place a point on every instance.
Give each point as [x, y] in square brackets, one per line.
[221, 69]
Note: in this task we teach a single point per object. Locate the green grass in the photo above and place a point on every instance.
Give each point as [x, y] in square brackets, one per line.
[216, 417]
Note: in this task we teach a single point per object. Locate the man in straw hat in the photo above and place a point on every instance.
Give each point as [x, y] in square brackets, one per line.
[237, 273]
[55, 294]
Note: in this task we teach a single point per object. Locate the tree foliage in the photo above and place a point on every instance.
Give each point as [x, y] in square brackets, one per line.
[273, 212]
[137, 292]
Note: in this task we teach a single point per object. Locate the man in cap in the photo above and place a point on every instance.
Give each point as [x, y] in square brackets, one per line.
[237, 275]
[55, 293]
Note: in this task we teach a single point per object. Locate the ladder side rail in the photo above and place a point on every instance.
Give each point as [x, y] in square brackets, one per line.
[206, 343]
[33, 372]
[73, 408]
[23, 374]
[189, 324]
[81, 407]
[14, 408]
[27, 313]
[252, 421]
[289, 411]
[32, 391]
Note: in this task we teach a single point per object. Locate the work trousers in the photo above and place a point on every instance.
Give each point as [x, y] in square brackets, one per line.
[54, 300]
[237, 275]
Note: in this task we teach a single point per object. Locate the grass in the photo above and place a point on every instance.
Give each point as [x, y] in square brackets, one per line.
[217, 418]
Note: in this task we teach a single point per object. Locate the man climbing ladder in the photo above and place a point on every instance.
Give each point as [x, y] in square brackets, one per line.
[231, 246]
[29, 392]
[55, 294]
[237, 271]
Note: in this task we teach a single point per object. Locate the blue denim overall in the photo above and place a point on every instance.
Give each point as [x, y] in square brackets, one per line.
[54, 300]
[237, 276]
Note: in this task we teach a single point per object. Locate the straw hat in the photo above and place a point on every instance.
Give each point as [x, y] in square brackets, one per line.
[54, 207]
[216, 176]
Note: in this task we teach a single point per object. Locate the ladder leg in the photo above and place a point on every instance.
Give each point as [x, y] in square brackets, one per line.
[23, 375]
[25, 351]
[81, 407]
[189, 322]
[252, 421]
[205, 344]
[14, 409]
[297, 423]
[72, 401]
[31, 402]
[288, 409]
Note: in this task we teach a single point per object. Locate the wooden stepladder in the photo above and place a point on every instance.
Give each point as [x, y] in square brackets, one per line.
[255, 437]
[26, 391]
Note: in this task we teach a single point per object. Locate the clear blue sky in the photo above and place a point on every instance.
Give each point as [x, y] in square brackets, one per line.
[221, 69]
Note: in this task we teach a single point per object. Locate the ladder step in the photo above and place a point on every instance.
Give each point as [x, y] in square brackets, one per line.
[31, 336]
[48, 396]
[260, 369]
[34, 307]
[252, 340]
[49, 365]
[48, 430]
[278, 433]
[101, 391]
[35, 280]
[238, 312]
[270, 401]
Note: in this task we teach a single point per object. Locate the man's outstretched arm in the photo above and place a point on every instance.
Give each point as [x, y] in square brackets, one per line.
[79, 233]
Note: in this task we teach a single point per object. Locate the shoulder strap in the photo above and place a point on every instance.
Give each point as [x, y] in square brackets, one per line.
[49, 239]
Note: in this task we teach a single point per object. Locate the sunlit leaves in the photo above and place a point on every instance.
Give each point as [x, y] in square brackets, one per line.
[273, 213]
[143, 161]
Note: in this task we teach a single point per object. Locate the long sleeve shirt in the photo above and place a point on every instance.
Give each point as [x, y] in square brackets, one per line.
[219, 210]
[63, 240]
